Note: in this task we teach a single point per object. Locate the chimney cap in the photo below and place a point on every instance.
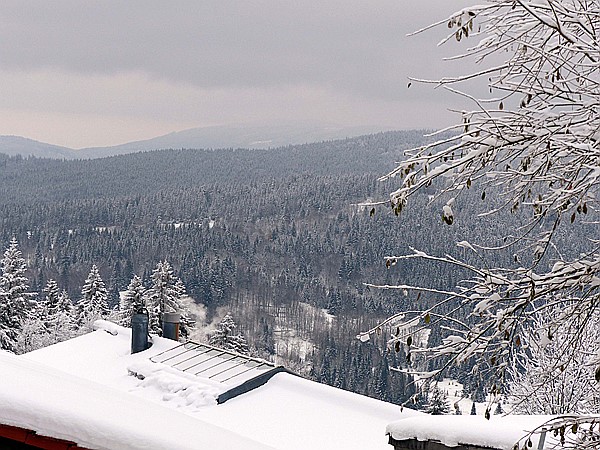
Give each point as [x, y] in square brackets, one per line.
[171, 317]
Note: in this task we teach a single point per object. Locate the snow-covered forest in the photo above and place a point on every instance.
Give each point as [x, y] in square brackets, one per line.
[286, 255]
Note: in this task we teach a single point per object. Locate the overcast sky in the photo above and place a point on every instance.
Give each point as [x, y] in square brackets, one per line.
[98, 72]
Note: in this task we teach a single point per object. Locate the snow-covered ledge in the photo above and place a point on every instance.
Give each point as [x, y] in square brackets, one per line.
[500, 432]
[110, 327]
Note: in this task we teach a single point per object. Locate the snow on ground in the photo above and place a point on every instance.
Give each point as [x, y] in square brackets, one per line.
[329, 318]
[455, 394]
[500, 432]
[288, 412]
[421, 337]
[454, 390]
[288, 342]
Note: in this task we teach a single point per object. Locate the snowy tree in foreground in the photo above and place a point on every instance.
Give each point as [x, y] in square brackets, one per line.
[16, 302]
[225, 337]
[162, 296]
[547, 379]
[8, 333]
[532, 149]
[133, 300]
[57, 313]
[52, 321]
[167, 294]
[94, 301]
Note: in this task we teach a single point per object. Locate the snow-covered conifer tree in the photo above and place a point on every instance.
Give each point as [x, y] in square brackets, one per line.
[9, 332]
[226, 338]
[57, 313]
[438, 402]
[13, 279]
[16, 302]
[187, 324]
[162, 296]
[168, 294]
[132, 300]
[94, 301]
[50, 298]
[498, 409]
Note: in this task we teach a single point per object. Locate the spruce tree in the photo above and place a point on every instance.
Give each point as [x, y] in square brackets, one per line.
[382, 375]
[57, 313]
[94, 301]
[168, 294]
[51, 297]
[499, 409]
[133, 300]
[62, 318]
[16, 302]
[225, 337]
[438, 403]
[186, 324]
[162, 296]
[8, 323]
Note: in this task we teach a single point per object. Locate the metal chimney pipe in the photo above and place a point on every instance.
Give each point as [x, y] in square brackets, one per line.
[139, 331]
[170, 325]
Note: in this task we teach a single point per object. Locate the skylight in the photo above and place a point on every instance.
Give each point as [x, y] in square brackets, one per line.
[213, 363]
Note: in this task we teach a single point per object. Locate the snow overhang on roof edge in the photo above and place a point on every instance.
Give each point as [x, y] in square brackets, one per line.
[31, 438]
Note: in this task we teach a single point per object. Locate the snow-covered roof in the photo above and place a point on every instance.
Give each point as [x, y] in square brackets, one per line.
[500, 432]
[54, 403]
[82, 390]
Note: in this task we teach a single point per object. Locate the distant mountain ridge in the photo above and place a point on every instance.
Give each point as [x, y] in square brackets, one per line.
[252, 137]
[17, 145]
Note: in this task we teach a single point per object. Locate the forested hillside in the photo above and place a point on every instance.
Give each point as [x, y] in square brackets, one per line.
[275, 237]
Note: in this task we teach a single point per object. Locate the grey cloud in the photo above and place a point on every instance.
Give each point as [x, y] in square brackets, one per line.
[357, 46]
